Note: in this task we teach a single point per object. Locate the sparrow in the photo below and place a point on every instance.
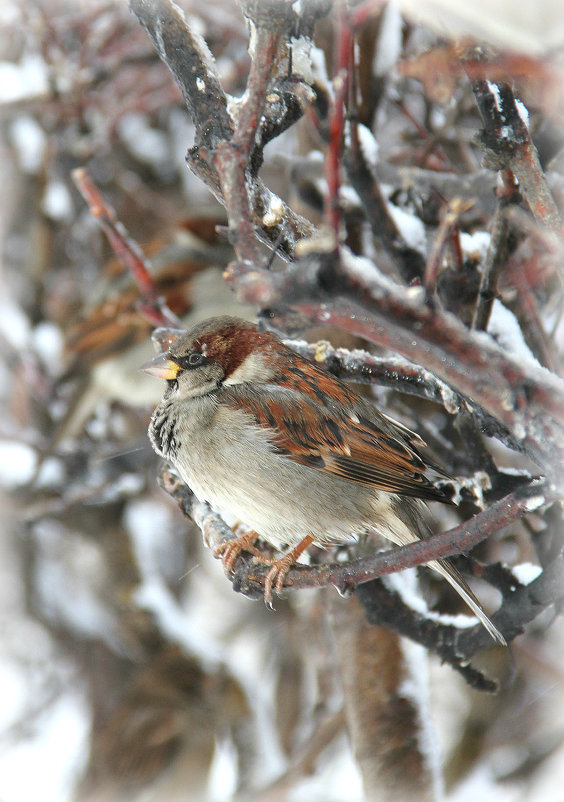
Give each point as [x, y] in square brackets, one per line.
[264, 435]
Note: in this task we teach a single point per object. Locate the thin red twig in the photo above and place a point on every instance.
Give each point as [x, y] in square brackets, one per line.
[337, 122]
[152, 306]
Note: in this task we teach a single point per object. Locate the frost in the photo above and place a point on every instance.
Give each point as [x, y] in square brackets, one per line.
[525, 573]
[301, 59]
[523, 111]
[494, 89]
[275, 212]
[17, 464]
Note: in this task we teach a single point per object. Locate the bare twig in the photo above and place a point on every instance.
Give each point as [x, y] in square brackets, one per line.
[365, 368]
[341, 83]
[499, 250]
[232, 158]
[528, 401]
[188, 58]
[447, 229]
[508, 145]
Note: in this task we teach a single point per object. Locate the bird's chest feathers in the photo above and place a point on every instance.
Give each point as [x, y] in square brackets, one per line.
[213, 448]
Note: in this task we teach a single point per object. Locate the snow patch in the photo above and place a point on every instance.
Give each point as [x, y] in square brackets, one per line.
[51, 473]
[14, 325]
[523, 111]
[505, 329]
[57, 202]
[45, 763]
[415, 688]
[475, 245]
[27, 79]
[494, 89]
[17, 464]
[48, 342]
[29, 141]
[368, 145]
[410, 596]
[389, 40]
[319, 67]
[525, 573]
[535, 502]
[147, 144]
[410, 227]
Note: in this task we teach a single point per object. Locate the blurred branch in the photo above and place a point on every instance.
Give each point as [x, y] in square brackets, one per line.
[152, 306]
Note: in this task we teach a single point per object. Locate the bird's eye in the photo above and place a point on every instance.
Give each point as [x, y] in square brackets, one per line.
[195, 359]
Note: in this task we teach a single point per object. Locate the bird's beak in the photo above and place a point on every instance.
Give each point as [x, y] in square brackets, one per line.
[162, 366]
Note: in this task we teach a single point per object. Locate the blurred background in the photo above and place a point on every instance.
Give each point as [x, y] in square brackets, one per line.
[129, 669]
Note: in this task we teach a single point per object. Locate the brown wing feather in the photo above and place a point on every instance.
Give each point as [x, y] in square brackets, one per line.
[328, 427]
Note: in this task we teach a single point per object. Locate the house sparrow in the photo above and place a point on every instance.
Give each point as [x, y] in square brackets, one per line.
[262, 434]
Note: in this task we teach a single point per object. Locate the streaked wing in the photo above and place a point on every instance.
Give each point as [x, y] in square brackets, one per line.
[337, 439]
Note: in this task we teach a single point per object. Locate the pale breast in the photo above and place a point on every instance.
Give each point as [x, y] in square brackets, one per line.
[230, 462]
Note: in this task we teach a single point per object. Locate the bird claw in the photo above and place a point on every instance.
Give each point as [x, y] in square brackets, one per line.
[275, 578]
[278, 572]
[230, 550]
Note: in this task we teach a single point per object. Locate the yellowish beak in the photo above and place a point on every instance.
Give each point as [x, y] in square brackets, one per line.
[162, 366]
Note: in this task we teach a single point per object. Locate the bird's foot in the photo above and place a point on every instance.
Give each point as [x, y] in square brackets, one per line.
[231, 549]
[276, 576]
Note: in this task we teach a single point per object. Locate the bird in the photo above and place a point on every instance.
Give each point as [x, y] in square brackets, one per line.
[264, 435]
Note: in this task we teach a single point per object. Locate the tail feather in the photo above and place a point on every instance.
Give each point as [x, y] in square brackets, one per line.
[410, 524]
[454, 578]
